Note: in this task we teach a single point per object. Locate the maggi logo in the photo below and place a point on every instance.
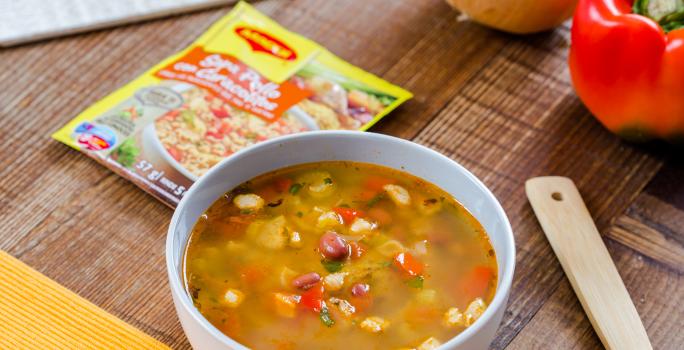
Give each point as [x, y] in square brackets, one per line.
[260, 41]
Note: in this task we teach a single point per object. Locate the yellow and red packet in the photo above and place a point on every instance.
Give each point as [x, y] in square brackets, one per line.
[245, 80]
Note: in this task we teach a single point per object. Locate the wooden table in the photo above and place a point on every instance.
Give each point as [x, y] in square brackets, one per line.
[501, 105]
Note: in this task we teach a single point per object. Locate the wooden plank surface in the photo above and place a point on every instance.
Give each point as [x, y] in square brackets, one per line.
[501, 105]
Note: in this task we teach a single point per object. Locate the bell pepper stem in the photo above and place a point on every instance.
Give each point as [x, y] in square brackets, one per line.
[668, 13]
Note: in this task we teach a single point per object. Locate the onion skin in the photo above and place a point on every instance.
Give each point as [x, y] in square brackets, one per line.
[517, 16]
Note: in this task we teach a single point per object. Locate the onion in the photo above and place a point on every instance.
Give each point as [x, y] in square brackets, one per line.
[517, 16]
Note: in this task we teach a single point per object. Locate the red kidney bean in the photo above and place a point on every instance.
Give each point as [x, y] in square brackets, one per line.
[360, 289]
[306, 280]
[333, 246]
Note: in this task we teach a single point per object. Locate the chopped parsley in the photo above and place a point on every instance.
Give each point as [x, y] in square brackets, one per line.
[325, 317]
[416, 282]
[295, 188]
[332, 266]
[327, 181]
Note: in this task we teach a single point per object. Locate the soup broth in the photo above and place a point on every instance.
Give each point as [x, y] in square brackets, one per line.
[339, 255]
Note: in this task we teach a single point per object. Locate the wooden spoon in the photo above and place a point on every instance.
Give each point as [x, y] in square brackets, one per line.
[585, 260]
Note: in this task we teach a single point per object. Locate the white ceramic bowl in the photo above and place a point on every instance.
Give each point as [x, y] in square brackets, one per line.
[340, 145]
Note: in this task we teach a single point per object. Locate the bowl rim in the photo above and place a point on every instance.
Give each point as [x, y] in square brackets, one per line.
[508, 268]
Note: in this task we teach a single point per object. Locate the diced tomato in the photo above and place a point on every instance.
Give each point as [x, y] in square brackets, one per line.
[283, 184]
[376, 183]
[175, 153]
[357, 249]
[476, 282]
[348, 214]
[313, 298]
[407, 263]
[215, 134]
[220, 113]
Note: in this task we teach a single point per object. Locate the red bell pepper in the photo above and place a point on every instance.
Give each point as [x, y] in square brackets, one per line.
[313, 298]
[407, 263]
[348, 214]
[627, 69]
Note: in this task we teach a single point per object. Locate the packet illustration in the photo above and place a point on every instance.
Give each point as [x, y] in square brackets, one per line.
[245, 80]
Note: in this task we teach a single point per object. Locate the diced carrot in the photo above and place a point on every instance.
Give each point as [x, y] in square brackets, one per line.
[230, 324]
[313, 298]
[476, 282]
[357, 250]
[348, 214]
[362, 303]
[253, 274]
[380, 215]
[367, 195]
[407, 263]
[283, 184]
[376, 183]
[225, 128]
[285, 304]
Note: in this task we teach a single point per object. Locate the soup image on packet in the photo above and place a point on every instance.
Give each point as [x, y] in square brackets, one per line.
[245, 80]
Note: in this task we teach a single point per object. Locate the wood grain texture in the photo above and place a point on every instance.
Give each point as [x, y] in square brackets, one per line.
[577, 243]
[501, 105]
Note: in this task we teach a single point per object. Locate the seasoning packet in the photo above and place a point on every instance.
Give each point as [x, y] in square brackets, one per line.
[245, 80]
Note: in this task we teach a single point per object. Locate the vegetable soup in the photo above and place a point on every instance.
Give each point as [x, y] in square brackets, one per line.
[339, 255]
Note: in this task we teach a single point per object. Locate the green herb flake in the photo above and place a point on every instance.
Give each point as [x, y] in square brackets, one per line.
[299, 214]
[385, 264]
[332, 266]
[344, 205]
[325, 317]
[188, 117]
[294, 188]
[416, 282]
[327, 181]
[245, 211]
[378, 197]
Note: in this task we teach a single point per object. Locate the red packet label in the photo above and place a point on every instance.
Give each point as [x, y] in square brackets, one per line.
[234, 82]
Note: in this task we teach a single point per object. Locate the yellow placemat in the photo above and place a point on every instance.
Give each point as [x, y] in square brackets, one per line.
[38, 313]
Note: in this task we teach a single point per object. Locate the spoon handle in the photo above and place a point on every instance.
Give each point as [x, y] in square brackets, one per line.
[585, 260]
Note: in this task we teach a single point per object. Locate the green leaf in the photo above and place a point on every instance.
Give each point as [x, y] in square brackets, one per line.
[300, 214]
[325, 317]
[331, 265]
[668, 13]
[294, 188]
[640, 7]
[327, 181]
[127, 153]
[416, 282]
